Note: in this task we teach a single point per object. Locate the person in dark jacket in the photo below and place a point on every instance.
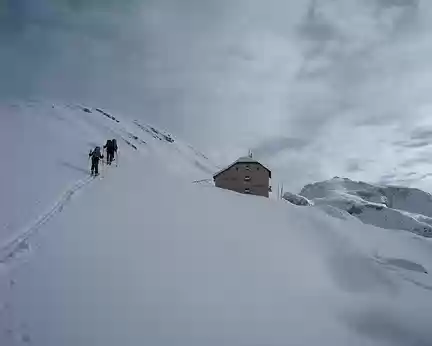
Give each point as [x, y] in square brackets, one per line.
[110, 149]
[115, 148]
[95, 156]
[114, 143]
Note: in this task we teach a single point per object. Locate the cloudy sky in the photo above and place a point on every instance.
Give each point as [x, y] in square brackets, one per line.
[316, 88]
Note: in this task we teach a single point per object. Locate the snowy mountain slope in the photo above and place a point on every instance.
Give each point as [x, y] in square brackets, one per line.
[388, 207]
[296, 199]
[46, 149]
[397, 197]
[145, 257]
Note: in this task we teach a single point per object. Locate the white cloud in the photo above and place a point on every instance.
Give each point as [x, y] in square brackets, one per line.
[351, 78]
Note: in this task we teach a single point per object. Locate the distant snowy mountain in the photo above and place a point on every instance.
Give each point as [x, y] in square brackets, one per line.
[296, 199]
[390, 207]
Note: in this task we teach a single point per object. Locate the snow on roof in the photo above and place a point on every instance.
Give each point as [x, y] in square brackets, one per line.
[246, 159]
[243, 159]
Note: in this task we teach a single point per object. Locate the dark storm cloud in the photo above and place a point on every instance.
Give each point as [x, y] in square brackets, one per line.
[315, 27]
[398, 3]
[423, 159]
[353, 166]
[139, 56]
[421, 134]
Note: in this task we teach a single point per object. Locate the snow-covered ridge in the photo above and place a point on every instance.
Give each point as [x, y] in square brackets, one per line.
[296, 199]
[390, 207]
[46, 148]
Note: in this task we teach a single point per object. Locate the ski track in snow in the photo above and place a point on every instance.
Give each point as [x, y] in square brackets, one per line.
[19, 243]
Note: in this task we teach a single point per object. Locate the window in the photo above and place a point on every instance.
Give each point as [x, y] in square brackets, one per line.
[247, 168]
[247, 190]
[247, 178]
[236, 168]
[257, 168]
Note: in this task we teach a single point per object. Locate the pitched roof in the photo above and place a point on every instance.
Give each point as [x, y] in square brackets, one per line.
[244, 159]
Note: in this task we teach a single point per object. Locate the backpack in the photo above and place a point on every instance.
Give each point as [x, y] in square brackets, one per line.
[114, 144]
[96, 153]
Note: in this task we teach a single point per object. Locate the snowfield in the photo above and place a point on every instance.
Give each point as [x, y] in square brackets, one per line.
[143, 256]
[46, 147]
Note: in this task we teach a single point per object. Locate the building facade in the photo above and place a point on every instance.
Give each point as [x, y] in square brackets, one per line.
[245, 175]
